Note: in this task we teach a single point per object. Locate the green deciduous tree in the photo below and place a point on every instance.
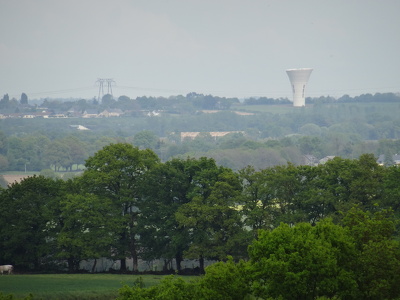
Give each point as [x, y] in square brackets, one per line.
[378, 259]
[353, 182]
[257, 203]
[226, 281]
[76, 150]
[86, 228]
[211, 215]
[357, 261]
[24, 99]
[3, 143]
[3, 163]
[367, 184]
[392, 188]
[27, 152]
[282, 185]
[107, 100]
[311, 145]
[314, 199]
[116, 172]
[4, 102]
[337, 177]
[145, 140]
[165, 190]
[170, 287]
[302, 262]
[57, 155]
[27, 210]
[222, 281]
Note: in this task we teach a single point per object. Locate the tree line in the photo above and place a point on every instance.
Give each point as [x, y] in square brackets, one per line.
[174, 104]
[325, 128]
[127, 203]
[283, 232]
[67, 151]
[178, 103]
[363, 98]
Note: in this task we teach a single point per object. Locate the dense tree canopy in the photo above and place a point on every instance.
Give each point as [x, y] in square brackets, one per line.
[314, 231]
[303, 262]
[185, 208]
[26, 236]
[354, 260]
[116, 172]
[211, 215]
[86, 228]
[165, 189]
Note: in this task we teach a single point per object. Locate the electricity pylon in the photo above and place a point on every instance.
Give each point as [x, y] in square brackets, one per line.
[101, 82]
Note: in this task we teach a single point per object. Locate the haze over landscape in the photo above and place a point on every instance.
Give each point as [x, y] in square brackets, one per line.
[197, 162]
[225, 48]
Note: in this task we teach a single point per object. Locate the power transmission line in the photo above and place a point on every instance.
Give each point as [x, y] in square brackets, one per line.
[60, 91]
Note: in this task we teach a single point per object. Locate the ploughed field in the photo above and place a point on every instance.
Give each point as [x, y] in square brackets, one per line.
[12, 178]
[70, 286]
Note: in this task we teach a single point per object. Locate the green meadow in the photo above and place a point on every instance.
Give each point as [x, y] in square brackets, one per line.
[273, 109]
[70, 286]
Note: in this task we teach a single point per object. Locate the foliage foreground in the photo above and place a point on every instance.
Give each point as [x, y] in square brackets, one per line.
[356, 260]
[70, 286]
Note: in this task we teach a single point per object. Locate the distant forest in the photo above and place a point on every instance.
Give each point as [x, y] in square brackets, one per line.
[252, 189]
[265, 131]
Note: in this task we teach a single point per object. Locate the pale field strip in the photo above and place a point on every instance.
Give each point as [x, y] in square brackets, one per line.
[15, 178]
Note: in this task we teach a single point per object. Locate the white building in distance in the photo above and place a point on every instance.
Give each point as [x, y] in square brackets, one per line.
[299, 78]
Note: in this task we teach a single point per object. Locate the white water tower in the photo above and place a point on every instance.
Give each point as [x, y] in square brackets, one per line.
[299, 78]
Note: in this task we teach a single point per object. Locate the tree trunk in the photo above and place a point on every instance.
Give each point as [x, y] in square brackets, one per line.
[94, 265]
[73, 265]
[178, 259]
[123, 265]
[165, 267]
[135, 267]
[201, 262]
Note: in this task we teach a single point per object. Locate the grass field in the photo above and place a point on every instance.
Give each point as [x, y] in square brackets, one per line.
[274, 109]
[70, 286]
[386, 108]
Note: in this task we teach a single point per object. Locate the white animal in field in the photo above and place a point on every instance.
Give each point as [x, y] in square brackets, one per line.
[6, 268]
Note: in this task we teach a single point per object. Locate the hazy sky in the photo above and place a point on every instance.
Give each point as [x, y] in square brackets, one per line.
[59, 48]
